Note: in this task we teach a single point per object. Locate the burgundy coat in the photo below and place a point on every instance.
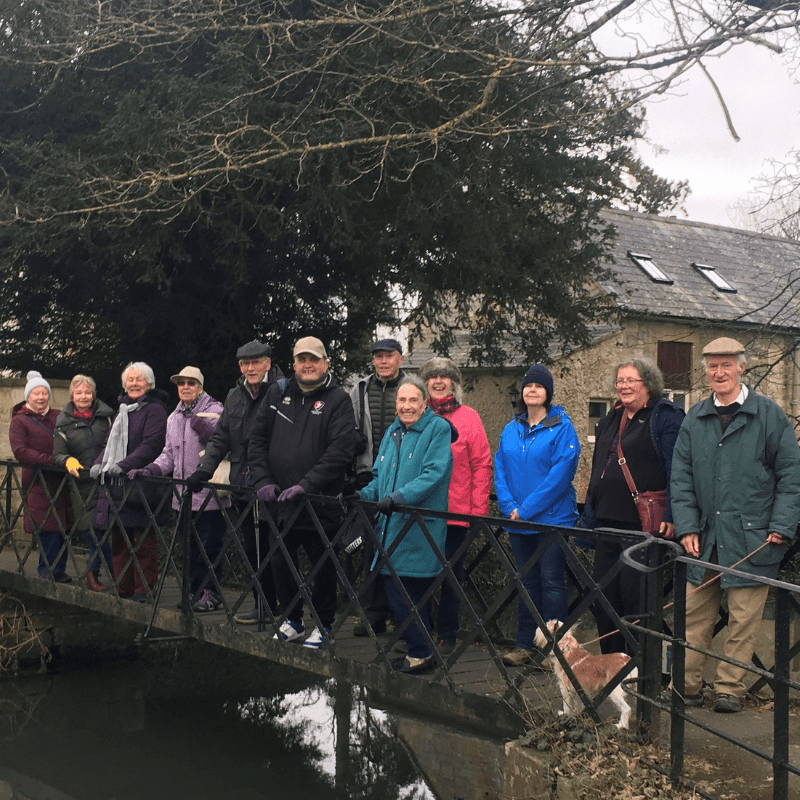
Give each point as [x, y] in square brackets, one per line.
[147, 427]
[31, 439]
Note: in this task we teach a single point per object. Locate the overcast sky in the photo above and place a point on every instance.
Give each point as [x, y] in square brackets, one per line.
[763, 99]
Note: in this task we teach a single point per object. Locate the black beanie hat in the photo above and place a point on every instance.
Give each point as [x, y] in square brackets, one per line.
[539, 373]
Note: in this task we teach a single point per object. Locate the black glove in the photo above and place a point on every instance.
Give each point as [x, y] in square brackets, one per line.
[385, 505]
[196, 478]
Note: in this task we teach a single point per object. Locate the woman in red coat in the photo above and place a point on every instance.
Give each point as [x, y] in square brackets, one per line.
[470, 482]
[31, 437]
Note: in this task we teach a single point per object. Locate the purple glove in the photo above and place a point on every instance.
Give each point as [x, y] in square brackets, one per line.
[291, 493]
[268, 493]
[203, 427]
[144, 471]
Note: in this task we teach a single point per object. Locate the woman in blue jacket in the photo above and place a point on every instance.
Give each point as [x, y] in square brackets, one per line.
[534, 468]
[412, 469]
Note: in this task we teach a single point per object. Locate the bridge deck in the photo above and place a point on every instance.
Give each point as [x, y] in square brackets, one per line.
[470, 689]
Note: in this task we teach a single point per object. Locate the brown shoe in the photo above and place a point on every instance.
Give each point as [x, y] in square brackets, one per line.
[93, 582]
[518, 657]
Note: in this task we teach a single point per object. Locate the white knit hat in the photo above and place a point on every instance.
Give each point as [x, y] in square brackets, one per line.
[35, 379]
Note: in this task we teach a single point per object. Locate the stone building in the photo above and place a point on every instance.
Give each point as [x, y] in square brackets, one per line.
[677, 285]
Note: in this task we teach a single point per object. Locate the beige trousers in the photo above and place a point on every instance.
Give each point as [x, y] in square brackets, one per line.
[745, 609]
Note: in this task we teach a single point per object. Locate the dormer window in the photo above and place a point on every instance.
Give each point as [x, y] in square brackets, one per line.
[713, 277]
[650, 268]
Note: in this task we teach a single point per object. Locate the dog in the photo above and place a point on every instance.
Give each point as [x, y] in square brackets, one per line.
[592, 672]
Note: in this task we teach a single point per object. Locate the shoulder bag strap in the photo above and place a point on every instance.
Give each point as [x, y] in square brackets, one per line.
[621, 458]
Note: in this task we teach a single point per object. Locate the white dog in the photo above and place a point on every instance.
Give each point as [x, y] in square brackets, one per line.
[592, 672]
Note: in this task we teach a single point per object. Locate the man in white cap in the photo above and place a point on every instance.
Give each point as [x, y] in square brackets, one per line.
[735, 488]
[302, 442]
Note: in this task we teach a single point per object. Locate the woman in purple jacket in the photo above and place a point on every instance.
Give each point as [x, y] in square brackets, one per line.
[189, 427]
[136, 438]
[31, 438]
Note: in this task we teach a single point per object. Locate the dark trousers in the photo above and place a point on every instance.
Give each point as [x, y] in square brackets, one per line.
[129, 580]
[49, 562]
[373, 598]
[624, 592]
[210, 528]
[256, 548]
[448, 621]
[416, 587]
[323, 594]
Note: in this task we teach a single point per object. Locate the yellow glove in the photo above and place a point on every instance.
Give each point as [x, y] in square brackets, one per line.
[73, 465]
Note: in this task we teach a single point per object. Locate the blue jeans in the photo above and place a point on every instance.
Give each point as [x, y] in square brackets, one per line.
[416, 587]
[95, 549]
[49, 562]
[545, 582]
[210, 527]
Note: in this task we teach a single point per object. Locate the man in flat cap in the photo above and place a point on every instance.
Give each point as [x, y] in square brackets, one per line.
[374, 405]
[735, 487]
[231, 438]
[303, 440]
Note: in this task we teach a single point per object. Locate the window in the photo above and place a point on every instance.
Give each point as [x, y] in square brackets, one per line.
[675, 361]
[597, 410]
[650, 268]
[713, 277]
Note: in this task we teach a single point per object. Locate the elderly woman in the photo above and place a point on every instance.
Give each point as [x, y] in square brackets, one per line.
[31, 438]
[189, 427]
[644, 426]
[81, 430]
[412, 468]
[470, 483]
[534, 468]
[135, 440]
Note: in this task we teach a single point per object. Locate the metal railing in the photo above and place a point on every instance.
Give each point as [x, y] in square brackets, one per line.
[492, 582]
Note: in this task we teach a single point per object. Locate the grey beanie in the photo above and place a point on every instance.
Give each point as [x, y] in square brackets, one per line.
[35, 379]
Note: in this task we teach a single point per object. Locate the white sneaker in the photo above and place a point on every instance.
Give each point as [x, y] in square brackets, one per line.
[318, 637]
[289, 632]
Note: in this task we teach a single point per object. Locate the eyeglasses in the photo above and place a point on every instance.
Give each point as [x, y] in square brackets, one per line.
[628, 382]
[186, 383]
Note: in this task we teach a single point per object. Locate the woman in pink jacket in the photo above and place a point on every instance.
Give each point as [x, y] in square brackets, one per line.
[470, 483]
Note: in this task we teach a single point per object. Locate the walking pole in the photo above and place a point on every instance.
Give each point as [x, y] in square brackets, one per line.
[257, 587]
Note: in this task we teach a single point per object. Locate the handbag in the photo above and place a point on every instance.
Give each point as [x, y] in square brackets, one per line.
[650, 506]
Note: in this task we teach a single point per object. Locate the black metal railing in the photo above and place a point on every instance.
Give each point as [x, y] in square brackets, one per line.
[492, 582]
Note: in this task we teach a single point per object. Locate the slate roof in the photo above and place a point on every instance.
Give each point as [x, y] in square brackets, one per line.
[765, 271]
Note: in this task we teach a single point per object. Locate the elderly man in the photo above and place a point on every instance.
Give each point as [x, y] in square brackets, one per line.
[735, 487]
[302, 443]
[374, 405]
[231, 438]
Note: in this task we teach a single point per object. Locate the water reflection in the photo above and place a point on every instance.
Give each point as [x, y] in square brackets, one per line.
[195, 722]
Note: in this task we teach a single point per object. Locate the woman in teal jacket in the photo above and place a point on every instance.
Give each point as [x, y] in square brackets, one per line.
[413, 469]
[534, 468]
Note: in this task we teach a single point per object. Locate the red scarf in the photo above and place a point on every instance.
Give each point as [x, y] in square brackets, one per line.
[82, 414]
[444, 405]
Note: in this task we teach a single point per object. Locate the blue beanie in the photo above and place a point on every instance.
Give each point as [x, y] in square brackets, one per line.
[539, 373]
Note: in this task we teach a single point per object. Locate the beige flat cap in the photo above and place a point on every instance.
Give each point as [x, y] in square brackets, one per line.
[724, 346]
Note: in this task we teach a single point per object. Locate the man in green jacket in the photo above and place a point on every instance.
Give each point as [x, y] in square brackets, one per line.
[735, 498]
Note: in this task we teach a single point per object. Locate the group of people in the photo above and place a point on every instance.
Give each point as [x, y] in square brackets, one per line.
[730, 474]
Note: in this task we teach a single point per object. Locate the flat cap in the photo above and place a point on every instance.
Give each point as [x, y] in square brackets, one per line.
[254, 349]
[189, 372]
[724, 346]
[387, 344]
[312, 345]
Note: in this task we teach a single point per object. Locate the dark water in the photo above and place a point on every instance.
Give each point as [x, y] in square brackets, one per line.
[194, 722]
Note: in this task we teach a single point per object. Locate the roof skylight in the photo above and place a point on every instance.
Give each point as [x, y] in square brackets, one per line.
[650, 268]
[712, 276]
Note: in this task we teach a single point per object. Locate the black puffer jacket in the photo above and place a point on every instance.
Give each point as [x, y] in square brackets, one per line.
[232, 435]
[305, 439]
[82, 439]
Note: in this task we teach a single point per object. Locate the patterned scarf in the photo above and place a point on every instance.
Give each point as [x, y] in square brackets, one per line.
[443, 406]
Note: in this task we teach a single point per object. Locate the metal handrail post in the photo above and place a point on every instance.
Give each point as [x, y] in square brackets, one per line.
[678, 707]
[780, 688]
